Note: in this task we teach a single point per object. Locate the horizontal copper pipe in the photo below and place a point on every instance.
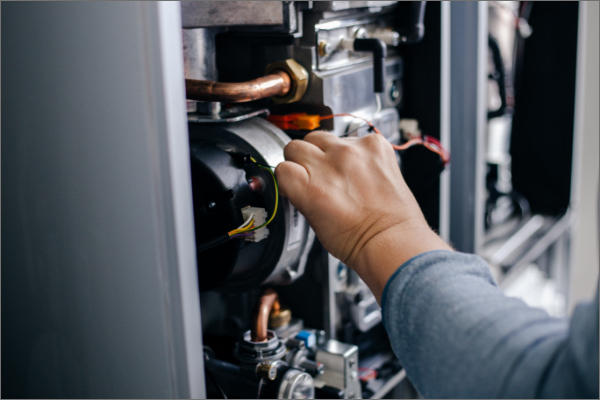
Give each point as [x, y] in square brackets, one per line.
[276, 84]
[268, 301]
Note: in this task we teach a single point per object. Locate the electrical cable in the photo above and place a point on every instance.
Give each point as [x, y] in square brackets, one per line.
[428, 142]
[208, 354]
[212, 380]
[249, 228]
[212, 243]
[248, 223]
[499, 76]
[366, 374]
[276, 185]
[261, 383]
[245, 229]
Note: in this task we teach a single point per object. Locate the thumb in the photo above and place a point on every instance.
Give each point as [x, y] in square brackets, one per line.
[293, 181]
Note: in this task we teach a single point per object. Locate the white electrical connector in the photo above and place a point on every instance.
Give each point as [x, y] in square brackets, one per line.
[260, 216]
[409, 128]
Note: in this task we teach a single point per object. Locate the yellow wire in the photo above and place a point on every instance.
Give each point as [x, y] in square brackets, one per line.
[248, 223]
[276, 198]
[245, 229]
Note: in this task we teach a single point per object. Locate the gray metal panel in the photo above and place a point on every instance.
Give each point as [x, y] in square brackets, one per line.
[198, 14]
[445, 117]
[99, 286]
[585, 188]
[468, 79]
[178, 186]
[345, 5]
[199, 53]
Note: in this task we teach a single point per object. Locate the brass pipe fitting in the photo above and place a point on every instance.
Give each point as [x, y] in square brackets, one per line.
[298, 75]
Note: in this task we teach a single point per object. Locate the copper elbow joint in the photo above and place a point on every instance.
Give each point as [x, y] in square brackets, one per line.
[268, 301]
[277, 83]
[285, 81]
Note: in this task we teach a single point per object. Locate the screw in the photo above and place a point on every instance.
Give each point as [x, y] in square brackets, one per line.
[324, 48]
[267, 370]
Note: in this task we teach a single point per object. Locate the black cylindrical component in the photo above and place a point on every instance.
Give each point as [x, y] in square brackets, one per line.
[312, 367]
[499, 77]
[378, 49]
[231, 181]
[220, 191]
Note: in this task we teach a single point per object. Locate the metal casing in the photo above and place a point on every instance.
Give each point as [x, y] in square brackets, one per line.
[340, 362]
[99, 284]
[288, 246]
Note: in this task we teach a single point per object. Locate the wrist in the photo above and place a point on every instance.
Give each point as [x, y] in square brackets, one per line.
[386, 251]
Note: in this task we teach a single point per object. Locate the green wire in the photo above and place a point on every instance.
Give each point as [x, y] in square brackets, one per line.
[276, 196]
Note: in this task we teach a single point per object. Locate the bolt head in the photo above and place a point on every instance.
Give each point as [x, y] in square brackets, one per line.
[267, 370]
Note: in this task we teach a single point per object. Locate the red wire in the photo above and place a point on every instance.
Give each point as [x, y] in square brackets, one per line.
[428, 142]
[366, 374]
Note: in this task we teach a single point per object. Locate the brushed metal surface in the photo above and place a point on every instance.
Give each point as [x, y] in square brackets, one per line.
[99, 287]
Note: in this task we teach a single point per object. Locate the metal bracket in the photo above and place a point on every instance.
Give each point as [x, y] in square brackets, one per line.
[233, 114]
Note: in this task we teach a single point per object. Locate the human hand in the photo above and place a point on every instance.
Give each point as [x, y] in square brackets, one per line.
[353, 195]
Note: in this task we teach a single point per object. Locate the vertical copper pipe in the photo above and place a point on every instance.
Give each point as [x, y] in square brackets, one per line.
[268, 301]
[277, 83]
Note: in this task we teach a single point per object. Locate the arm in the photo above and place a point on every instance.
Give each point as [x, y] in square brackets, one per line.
[354, 196]
[452, 329]
[458, 335]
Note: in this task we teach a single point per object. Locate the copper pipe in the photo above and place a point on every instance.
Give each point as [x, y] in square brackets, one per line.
[278, 83]
[268, 301]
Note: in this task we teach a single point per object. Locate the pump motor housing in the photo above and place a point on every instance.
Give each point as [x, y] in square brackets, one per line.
[224, 183]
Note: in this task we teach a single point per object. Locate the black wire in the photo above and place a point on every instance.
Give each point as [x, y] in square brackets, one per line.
[499, 77]
[212, 243]
[261, 383]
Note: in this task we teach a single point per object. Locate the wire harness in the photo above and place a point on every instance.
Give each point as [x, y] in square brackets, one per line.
[248, 229]
[428, 142]
[248, 225]
[304, 121]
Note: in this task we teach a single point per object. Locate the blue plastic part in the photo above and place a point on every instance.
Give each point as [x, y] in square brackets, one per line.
[309, 338]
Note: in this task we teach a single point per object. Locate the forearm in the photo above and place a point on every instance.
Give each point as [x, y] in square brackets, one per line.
[380, 257]
[458, 335]
[452, 329]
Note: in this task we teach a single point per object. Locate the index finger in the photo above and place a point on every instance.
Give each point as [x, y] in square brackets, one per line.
[321, 139]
